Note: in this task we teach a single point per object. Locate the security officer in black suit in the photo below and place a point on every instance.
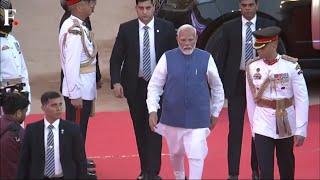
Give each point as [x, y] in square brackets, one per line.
[138, 40]
[69, 159]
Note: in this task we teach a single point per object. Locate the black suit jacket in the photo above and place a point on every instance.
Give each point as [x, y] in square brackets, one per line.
[125, 57]
[229, 58]
[72, 155]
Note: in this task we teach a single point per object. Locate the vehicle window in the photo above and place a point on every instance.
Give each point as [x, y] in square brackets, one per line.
[208, 10]
[227, 6]
[271, 8]
[203, 1]
[179, 4]
[264, 6]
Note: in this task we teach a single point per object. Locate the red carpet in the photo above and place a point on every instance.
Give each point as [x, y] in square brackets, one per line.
[111, 144]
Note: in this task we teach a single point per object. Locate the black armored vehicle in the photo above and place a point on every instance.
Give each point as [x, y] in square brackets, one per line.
[298, 19]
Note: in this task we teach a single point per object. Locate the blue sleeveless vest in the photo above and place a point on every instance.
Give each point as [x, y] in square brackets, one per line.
[186, 98]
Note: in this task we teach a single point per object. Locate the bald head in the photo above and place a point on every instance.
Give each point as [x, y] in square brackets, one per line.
[187, 38]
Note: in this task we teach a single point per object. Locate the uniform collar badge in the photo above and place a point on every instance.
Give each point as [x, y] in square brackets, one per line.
[257, 75]
[5, 47]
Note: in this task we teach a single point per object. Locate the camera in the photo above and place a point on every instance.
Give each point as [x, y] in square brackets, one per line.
[9, 87]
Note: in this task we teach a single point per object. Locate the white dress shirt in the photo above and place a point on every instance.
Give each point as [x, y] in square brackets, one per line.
[286, 82]
[152, 45]
[12, 63]
[72, 54]
[244, 30]
[55, 130]
[158, 80]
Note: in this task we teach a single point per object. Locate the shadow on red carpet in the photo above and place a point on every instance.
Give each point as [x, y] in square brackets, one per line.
[111, 144]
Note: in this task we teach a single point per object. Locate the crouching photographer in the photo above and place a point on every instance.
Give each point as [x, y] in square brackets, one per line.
[14, 106]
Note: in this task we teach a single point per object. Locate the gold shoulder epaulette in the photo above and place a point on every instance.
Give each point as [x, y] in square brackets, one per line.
[252, 60]
[75, 28]
[289, 58]
[75, 31]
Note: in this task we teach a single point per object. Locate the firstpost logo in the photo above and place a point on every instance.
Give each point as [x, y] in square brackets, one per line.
[9, 14]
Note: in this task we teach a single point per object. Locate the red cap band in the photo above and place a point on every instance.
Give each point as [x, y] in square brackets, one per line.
[266, 40]
[72, 2]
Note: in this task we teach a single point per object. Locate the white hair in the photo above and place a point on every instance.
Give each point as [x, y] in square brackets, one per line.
[186, 26]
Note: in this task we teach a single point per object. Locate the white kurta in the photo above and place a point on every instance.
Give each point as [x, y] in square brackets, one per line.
[286, 81]
[72, 54]
[158, 80]
[12, 64]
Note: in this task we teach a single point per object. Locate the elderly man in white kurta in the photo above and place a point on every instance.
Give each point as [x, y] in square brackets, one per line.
[185, 76]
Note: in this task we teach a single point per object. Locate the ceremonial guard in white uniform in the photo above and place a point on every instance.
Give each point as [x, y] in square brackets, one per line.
[13, 69]
[277, 104]
[78, 62]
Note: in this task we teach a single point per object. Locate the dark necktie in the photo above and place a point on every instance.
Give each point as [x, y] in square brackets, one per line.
[49, 164]
[146, 55]
[248, 44]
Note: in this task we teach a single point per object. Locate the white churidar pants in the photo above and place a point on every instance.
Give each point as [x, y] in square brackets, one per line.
[189, 142]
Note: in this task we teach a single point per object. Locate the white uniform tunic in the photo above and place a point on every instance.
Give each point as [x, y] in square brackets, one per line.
[12, 64]
[286, 81]
[72, 54]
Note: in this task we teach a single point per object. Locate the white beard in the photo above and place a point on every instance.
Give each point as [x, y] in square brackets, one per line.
[188, 52]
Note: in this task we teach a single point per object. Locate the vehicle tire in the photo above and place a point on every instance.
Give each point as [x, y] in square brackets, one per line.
[214, 42]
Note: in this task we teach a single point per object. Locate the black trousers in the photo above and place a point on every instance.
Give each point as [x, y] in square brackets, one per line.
[254, 158]
[285, 158]
[149, 143]
[236, 109]
[84, 115]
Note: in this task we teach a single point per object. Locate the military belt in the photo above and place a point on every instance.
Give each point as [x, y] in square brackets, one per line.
[88, 69]
[273, 104]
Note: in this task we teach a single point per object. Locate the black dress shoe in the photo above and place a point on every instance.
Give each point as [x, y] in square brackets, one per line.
[152, 177]
[157, 177]
[91, 163]
[233, 177]
[255, 175]
[140, 176]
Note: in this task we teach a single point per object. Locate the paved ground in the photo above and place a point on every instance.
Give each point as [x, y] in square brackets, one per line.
[38, 35]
